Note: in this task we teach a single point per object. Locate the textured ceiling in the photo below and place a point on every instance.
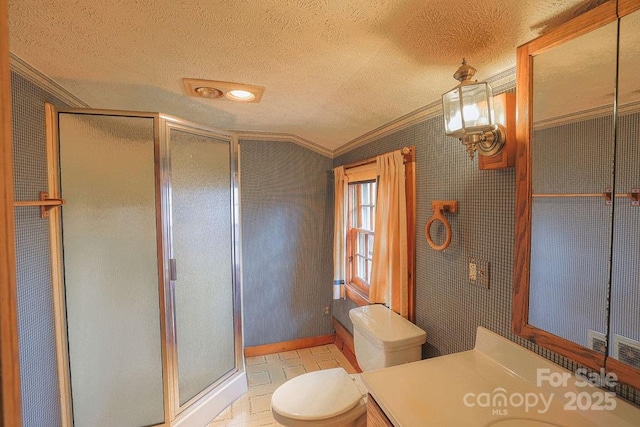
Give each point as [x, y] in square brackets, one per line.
[333, 69]
[579, 76]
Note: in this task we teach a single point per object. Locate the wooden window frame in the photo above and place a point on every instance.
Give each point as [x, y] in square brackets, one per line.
[361, 286]
[353, 291]
[356, 288]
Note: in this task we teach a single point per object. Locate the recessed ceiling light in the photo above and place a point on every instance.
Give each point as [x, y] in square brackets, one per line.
[209, 92]
[240, 95]
[223, 90]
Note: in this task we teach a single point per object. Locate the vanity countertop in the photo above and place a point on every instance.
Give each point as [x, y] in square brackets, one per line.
[498, 383]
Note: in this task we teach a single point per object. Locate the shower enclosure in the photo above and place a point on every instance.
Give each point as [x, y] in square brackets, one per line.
[146, 268]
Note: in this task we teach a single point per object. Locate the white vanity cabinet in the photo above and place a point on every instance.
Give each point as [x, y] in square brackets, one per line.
[496, 383]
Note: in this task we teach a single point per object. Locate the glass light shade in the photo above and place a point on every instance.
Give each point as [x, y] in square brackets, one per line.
[468, 109]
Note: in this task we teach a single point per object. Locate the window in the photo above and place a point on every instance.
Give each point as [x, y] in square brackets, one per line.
[375, 202]
[360, 235]
[360, 198]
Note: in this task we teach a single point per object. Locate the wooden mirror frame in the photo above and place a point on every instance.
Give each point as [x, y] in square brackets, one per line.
[602, 15]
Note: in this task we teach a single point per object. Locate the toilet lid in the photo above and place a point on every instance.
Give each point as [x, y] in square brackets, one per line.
[316, 395]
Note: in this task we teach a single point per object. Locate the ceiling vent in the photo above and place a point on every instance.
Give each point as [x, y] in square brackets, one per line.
[213, 89]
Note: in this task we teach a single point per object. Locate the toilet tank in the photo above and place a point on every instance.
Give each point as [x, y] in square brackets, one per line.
[383, 338]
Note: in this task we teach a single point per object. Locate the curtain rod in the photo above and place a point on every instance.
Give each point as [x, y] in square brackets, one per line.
[407, 153]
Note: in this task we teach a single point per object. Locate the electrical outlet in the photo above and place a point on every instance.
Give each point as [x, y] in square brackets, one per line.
[327, 310]
[473, 270]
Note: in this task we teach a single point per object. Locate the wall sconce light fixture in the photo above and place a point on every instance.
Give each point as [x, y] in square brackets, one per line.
[469, 115]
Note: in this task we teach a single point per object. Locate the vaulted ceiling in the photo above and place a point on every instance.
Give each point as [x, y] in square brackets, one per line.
[333, 70]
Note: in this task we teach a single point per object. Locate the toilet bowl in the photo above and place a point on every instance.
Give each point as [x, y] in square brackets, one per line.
[325, 398]
[332, 397]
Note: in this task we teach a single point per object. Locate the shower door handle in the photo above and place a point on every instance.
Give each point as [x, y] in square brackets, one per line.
[173, 270]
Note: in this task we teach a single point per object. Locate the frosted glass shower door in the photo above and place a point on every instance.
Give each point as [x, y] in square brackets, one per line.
[109, 238]
[202, 222]
[148, 246]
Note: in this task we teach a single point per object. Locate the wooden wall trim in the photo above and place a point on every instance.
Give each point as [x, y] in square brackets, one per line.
[344, 342]
[626, 374]
[296, 344]
[57, 275]
[10, 404]
[522, 244]
[582, 24]
[410, 191]
[626, 7]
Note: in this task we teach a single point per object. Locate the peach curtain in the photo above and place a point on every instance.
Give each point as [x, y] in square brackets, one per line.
[389, 275]
[339, 233]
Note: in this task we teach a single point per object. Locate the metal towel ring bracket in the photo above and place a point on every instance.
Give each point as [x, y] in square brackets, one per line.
[439, 207]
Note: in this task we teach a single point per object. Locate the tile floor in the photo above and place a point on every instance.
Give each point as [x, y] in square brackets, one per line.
[266, 373]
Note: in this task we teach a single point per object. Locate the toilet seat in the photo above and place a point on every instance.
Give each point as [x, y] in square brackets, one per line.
[317, 395]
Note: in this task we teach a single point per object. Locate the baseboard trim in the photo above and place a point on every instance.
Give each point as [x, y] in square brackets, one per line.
[344, 342]
[261, 350]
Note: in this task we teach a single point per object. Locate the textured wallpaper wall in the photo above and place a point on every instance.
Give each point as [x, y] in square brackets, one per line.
[38, 369]
[287, 226]
[448, 308]
[568, 292]
[287, 214]
[580, 298]
[286, 196]
[625, 292]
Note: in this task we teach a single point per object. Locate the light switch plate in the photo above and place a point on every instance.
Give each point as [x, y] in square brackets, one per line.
[479, 272]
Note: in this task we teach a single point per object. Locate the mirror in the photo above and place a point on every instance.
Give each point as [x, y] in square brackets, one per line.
[575, 284]
[573, 101]
[624, 328]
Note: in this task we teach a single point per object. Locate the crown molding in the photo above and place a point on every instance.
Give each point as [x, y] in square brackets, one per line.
[592, 113]
[578, 116]
[504, 81]
[499, 83]
[284, 137]
[36, 77]
[416, 116]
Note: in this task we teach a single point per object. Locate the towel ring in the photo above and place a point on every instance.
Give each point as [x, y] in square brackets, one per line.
[439, 207]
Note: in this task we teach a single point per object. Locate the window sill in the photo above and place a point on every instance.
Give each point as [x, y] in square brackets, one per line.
[356, 295]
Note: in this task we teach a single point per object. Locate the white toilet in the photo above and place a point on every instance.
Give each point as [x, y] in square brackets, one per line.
[333, 398]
